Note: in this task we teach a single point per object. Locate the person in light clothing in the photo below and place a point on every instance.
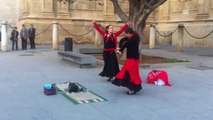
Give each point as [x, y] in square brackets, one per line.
[24, 36]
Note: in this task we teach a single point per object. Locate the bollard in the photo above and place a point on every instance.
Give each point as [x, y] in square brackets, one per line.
[179, 46]
[152, 37]
[4, 41]
[98, 38]
[55, 35]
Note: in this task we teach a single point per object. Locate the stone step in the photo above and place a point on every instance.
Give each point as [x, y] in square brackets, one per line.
[81, 59]
[91, 50]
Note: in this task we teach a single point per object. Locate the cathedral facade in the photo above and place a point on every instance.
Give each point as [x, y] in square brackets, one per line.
[196, 16]
[75, 20]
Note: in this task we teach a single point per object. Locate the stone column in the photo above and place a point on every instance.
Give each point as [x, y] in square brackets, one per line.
[152, 37]
[97, 39]
[4, 36]
[55, 36]
[179, 46]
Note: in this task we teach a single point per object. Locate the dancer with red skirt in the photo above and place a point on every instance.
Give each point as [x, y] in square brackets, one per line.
[129, 75]
[111, 67]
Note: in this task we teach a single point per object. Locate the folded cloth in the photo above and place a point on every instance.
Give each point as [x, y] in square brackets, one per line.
[155, 75]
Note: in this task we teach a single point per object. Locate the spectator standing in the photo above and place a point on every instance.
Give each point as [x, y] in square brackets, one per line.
[32, 32]
[14, 38]
[0, 36]
[24, 36]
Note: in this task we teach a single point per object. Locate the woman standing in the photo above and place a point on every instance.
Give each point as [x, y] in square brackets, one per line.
[111, 67]
[129, 75]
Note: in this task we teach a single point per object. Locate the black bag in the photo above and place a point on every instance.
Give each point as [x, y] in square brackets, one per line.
[11, 38]
[72, 87]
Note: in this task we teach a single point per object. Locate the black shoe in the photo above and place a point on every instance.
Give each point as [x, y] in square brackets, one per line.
[109, 79]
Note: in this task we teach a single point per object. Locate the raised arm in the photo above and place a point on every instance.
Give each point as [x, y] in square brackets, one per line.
[122, 29]
[99, 29]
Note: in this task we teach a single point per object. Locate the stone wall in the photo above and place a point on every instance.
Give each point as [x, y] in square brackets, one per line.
[76, 19]
[9, 12]
[195, 15]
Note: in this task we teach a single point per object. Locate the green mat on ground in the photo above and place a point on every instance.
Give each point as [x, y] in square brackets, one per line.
[79, 97]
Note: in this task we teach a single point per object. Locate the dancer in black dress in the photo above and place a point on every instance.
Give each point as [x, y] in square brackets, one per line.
[111, 67]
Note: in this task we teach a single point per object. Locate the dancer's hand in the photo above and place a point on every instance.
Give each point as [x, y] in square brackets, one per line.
[129, 23]
[117, 50]
[93, 21]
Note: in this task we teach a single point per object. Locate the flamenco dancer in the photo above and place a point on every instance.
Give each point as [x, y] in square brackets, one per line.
[111, 67]
[129, 75]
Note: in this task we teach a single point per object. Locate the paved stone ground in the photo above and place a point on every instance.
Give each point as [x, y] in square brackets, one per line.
[24, 73]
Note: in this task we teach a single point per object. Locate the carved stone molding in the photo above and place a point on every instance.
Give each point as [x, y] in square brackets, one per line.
[203, 9]
[25, 7]
[47, 8]
[63, 10]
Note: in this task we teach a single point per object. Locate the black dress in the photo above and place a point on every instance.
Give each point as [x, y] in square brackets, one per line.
[111, 67]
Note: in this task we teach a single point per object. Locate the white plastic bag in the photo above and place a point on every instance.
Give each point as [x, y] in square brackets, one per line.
[159, 82]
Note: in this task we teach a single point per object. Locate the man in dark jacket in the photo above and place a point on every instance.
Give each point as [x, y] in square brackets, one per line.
[14, 38]
[32, 32]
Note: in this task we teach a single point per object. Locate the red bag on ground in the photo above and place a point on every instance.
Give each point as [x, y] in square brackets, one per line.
[156, 75]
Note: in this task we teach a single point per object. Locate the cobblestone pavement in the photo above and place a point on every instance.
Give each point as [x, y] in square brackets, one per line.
[24, 73]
